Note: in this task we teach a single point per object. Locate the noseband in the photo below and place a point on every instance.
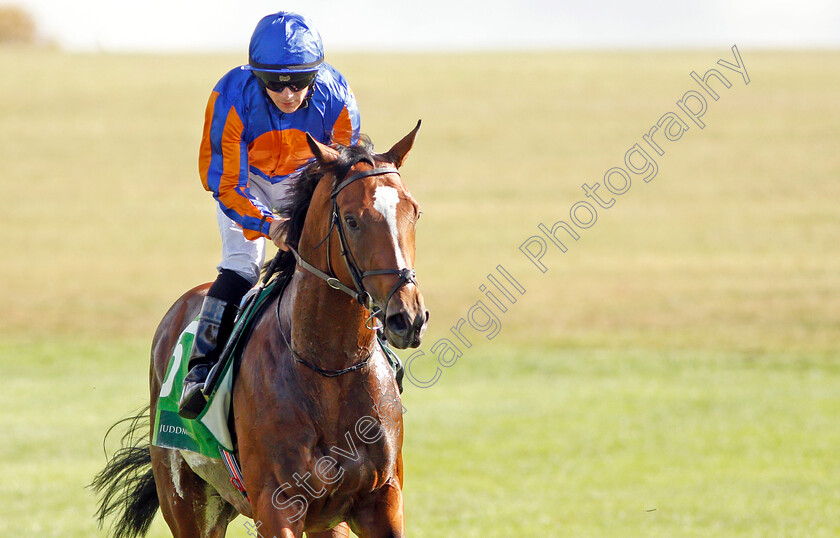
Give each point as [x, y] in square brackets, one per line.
[360, 294]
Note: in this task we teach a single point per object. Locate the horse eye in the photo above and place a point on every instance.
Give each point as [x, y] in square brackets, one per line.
[351, 222]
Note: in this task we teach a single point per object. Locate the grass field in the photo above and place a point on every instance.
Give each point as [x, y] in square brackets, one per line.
[675, 373]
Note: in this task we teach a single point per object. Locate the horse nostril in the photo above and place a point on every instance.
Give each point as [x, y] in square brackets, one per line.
[397, 323]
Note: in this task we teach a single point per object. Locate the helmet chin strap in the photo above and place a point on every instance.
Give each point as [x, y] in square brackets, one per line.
[310, 91]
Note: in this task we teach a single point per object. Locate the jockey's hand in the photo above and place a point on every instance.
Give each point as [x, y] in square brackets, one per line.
[277, 233]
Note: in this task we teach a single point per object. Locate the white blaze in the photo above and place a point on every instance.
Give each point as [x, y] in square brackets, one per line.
[385, 200]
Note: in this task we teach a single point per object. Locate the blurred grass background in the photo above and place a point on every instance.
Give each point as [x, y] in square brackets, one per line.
[675, 373]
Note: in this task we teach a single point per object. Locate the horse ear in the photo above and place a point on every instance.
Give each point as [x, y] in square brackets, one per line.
[324, 154]
[400, 150]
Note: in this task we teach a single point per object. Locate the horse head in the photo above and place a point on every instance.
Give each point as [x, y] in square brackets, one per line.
[372, 218]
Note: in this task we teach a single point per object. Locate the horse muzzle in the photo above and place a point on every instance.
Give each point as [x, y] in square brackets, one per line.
[404, 327]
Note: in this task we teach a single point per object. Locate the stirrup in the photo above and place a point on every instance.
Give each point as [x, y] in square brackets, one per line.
[192, 401]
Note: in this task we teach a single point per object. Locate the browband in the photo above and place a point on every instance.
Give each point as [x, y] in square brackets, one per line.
[366, 173]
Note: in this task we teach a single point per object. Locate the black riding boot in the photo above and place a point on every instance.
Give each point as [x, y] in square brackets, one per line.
[215, 323]
[214, 326]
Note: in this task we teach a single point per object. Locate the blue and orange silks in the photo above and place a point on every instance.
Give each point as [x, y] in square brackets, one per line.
[244, 132]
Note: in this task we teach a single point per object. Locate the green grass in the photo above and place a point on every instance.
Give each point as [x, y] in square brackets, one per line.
[591, 442]
[627, 443]
[674, 373]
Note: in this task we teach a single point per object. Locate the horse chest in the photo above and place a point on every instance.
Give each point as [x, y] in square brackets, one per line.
[365, 452]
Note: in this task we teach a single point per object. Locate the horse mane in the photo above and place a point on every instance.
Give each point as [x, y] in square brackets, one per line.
[304, 181]
[302, 186]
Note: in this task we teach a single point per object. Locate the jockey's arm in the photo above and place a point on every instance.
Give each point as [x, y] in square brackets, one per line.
[223, 165]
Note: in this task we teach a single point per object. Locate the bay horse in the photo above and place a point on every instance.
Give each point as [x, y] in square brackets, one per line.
[317, 412]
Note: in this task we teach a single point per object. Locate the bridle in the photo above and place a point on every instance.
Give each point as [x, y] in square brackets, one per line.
[358, 292]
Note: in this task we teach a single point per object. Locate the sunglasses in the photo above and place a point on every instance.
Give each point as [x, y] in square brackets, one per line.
[277, 82]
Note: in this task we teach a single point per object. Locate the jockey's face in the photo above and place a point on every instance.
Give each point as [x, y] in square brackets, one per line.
[287, 100]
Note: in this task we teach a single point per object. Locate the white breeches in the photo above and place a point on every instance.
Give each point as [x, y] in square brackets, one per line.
[239, 254]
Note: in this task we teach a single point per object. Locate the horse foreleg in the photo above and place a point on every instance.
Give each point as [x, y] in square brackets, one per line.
[382, 515]
[277, 515]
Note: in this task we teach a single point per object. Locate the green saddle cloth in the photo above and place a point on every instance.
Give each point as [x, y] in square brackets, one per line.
[210, 430]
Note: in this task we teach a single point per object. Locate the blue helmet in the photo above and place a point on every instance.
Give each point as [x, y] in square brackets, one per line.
[285, 42]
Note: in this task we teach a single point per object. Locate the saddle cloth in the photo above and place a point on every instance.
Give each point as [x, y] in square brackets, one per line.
[210, 431]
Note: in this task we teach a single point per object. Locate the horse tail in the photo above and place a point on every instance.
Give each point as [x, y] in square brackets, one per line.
[126, 485]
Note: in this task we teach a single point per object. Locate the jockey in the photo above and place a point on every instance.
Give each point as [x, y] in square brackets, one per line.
[254, 138]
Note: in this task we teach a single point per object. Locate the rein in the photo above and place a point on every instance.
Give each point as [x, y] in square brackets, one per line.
[325, 373]
[360, 294]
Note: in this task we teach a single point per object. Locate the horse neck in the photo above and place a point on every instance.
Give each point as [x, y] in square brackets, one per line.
[328, 326]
